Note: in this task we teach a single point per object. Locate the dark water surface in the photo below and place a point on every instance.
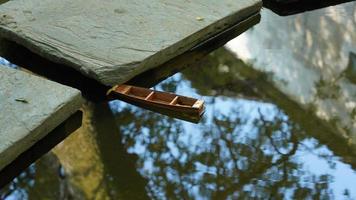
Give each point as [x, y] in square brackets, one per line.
[253, 143]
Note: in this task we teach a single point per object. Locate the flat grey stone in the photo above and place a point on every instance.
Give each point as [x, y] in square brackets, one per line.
[112, 41]
[30, 108]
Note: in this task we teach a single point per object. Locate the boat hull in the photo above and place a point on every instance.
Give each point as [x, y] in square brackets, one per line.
[165, 103]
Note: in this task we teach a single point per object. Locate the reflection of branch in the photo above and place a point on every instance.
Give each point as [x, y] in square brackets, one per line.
[8, 193]
[219, 171]
[244, 177]
[294, 139]
[18, 184]
[151, 193]
[229, 147]
[179, 171]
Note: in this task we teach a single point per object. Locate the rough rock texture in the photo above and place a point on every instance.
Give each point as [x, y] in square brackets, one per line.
[30, 108]
[112, 41]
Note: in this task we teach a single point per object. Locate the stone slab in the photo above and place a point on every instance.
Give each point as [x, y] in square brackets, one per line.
[112, 41]
[30, 108]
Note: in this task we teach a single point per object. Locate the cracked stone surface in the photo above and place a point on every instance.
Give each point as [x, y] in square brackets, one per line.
[112, 41]
[30, 108]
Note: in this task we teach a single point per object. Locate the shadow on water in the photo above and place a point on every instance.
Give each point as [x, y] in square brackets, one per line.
[253, 143]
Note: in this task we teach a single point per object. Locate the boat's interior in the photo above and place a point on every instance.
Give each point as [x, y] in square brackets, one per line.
[155, 96]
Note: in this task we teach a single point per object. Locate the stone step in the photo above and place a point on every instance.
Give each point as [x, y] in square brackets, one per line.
[30, 108]
[113, 41]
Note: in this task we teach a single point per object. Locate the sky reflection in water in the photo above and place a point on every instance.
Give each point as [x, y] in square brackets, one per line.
[242, 148]
[246, 146]
[237, 137]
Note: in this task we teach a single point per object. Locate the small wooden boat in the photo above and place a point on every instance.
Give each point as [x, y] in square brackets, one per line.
[154, 100]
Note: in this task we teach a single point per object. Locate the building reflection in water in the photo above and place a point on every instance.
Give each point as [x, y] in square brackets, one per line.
[246, 147]
[255, 141]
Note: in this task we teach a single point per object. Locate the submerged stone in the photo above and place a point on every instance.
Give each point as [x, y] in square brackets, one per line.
[112, 41]
[30, 108]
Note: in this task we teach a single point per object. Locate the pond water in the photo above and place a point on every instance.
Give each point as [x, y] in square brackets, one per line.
[253, 143]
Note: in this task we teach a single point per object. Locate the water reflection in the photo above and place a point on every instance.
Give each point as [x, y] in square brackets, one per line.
[254, 143]
[6, 63]
[309, 58]
[245, 147]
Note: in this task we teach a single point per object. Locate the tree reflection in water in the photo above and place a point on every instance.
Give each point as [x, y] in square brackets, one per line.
[249, 152]
[20, 186]
[242, 149]
[246, 147]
